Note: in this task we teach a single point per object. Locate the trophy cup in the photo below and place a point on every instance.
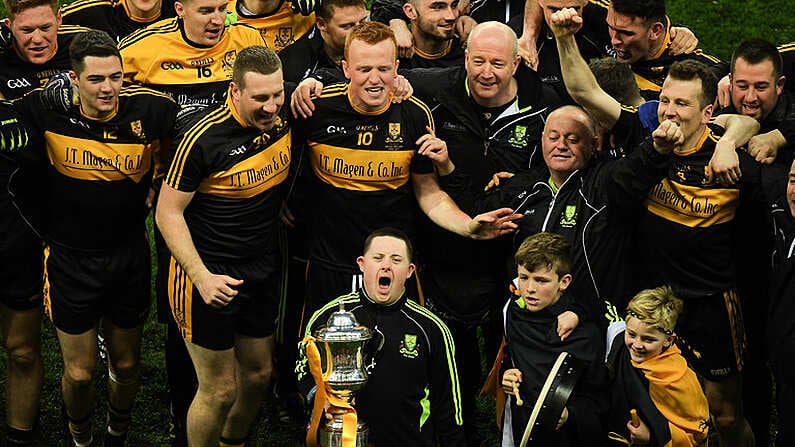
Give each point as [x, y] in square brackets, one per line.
[340, 345]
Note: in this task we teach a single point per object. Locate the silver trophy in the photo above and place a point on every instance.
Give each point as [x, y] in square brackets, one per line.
[341, 346]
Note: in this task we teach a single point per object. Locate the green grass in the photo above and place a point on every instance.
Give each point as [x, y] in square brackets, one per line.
[719, 24]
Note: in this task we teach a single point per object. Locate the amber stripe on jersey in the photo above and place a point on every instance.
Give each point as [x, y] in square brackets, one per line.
[217, 116]
[180, 298]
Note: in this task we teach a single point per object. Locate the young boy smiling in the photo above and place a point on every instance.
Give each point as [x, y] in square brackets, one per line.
[651, 377]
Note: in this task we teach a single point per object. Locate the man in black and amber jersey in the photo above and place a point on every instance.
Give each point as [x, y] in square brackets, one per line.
[117, 18]
[197, 66]
[97, 188]
[274, 19]
[433, 33]
[640, 34]
[684, 239]
[39, 49]
[217, 210]
[322, 47]
[367, 160]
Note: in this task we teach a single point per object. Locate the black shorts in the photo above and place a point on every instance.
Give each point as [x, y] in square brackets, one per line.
[252, 313]
[711, 335]
[81, 288]
[21, 270]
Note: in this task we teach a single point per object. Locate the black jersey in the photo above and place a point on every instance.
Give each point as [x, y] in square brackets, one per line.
[18, 77]
[452, 55]
[685, 233]
[113, 17]
[161, 57]
[99, 171]
[362, 164]
[236, 172]
[650, 73]
[412, 396]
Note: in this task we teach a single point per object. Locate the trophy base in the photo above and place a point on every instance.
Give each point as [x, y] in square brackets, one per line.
[330, 435]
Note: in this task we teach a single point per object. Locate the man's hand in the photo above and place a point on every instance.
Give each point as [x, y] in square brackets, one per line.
[463, 26]
[13, 133]
[510, 381]
[563, 418]
[304, 7]
[217, 290]
[683, 41]
[724, 166]
[764, 147]
[638, 435]
[435, 149]
[567, 322]
[528, 51]
[401, 89]
[493, 224]
[724, 92]
[301, 101]
[565, 22]
[405, 42]
[496, 178]
[667, 136]
[59, 94]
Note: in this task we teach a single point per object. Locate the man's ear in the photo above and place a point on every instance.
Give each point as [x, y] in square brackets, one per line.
[320, 23]
[409, 10]
[708, 113]
[780, 84]
[345, 69]
[73, 77]
[360, 261]
[412, 269]
[656, 30]
[180, 9]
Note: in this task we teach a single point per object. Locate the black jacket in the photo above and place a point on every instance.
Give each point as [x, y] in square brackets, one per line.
[305, 56]
[596, 209]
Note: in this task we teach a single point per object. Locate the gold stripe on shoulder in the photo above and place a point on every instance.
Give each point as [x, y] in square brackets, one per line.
[174, 175]
[170, 26]
[601, 3]
[630, 109]
[133, 90]
[81, 5]
[786, 47]
[72, 29]
[334, 90]
[424, 107]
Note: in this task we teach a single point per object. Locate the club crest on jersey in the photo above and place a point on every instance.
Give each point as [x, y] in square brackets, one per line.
[137, 129]
[518, 137]
[394, 134]
[569, 217]
[284, 37]
[228, 61]
[408, 346]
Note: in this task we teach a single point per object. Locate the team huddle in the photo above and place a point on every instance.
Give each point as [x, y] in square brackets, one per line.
[559, 182]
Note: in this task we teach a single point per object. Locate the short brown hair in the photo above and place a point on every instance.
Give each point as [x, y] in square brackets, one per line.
[616, 79]
[548, 250]
[659, 308]
[327, 7]
[691, 69]
[371, 33]
[254, 59]
[390, 232]
[93, 43]
[14, 7]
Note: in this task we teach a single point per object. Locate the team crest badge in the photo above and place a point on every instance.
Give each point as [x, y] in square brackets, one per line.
[284, 37]
[137, 128]
[519, 137]
[569, 218]
[394, 134]
[228, 61]
[408, 347]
